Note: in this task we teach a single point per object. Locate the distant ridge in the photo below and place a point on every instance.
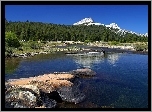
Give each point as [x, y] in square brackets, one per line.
[89, 21]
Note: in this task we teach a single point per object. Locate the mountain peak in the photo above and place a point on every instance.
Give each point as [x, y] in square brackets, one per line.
[89, 21]
[113, 25]
[84, 21]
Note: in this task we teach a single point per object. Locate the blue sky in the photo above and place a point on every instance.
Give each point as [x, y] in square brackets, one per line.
[129, 17]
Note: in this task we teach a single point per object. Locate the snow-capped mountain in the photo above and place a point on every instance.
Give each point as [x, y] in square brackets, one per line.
[89, 21]
[84, 21]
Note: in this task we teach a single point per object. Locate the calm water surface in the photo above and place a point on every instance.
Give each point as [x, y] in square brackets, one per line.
[121, 80]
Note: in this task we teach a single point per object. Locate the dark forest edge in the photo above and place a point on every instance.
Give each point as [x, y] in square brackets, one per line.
[27, 37]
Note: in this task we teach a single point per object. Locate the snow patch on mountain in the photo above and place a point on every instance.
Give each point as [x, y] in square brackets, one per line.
[89, 21]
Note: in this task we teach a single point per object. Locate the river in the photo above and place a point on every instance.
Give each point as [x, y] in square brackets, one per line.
[121, 80]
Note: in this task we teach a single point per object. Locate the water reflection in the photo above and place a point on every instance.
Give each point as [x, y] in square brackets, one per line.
[42, 57]
[88, 60]
[11, 65]
[113, 58]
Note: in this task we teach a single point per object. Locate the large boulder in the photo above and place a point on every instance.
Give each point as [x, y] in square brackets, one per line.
[34, 89]
[20, 97]
[43, 91]
[27, 96]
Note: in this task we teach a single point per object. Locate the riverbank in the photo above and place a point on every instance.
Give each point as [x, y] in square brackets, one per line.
[73, 47]
[138, 47]
[118, 50]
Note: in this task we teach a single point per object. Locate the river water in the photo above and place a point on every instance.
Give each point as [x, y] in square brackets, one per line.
[121, 80]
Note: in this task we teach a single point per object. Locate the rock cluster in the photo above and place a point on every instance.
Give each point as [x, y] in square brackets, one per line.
[21, 97]
[44, 91]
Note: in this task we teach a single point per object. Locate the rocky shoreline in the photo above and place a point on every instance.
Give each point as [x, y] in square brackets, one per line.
[46, 91]
[82, 50]
[106, 49]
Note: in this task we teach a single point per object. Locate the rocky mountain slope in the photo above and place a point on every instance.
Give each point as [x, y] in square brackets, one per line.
[112, 26]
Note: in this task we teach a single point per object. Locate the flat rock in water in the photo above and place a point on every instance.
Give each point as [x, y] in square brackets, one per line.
[83, 72]
[46, 82]
[26, 92]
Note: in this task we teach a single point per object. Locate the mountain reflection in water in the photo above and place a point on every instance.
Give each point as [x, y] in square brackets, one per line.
[88, 60]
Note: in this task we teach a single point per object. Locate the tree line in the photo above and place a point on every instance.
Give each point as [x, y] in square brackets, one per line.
[34, 31]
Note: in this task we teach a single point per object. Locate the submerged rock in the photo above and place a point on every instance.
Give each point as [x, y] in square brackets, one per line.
[83, 72]
[72, 93]
[47, 102]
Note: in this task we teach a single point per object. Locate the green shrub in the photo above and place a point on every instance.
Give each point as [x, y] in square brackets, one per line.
[34, 45]
[8, 51]
[11, 40]
[114, 43]
[20, 49]
[44, 42]
[141, 47]
[86, 41]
